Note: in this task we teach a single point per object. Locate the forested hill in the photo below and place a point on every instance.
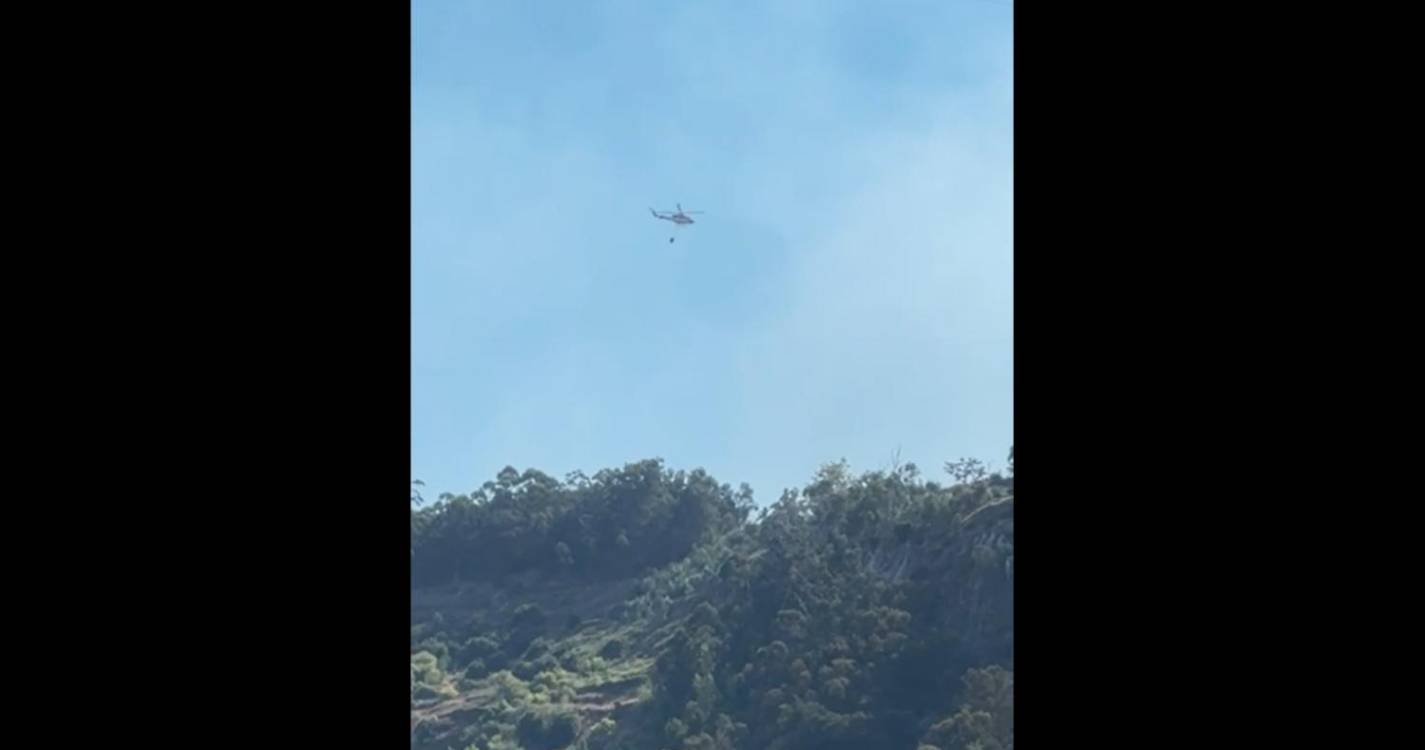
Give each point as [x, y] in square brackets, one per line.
[646, 608]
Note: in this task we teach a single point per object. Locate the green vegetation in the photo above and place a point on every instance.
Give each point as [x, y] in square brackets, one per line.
[862, 611]
[617, 524]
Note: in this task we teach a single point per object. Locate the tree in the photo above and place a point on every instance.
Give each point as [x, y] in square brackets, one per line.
[541, 731]
[985, 720]
[848, 616]
[966, 470]
[528, 616]
[612, 649]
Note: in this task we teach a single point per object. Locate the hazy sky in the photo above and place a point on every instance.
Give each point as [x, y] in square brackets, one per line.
[847, 293]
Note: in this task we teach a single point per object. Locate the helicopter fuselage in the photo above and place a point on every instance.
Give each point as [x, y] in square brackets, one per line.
[677, 218]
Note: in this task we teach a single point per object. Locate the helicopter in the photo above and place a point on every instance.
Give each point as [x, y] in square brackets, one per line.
[679, 218]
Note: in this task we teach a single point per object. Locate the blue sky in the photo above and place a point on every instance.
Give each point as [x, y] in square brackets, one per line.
[847, 294]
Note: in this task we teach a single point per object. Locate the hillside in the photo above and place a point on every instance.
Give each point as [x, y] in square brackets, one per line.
[647, 608]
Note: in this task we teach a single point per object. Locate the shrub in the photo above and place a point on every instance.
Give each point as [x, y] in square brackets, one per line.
[546, 731]
[510, 688]
[600, 737]
[425, 669]
[476, 669]
[613, 649]
[526, 670]
[478, 647]
[528, 616]
[438, 648]
[537, 648]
